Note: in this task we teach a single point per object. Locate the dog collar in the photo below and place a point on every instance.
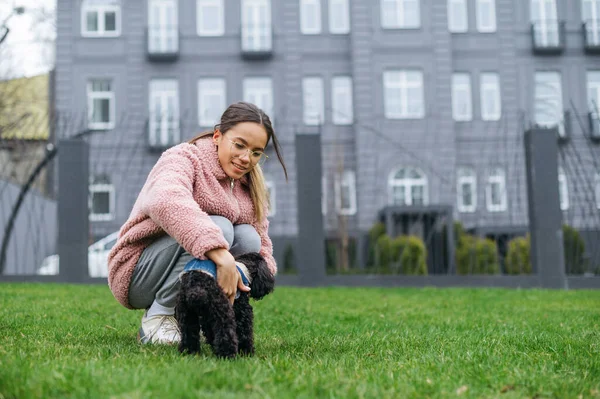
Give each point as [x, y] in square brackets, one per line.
[209, 267]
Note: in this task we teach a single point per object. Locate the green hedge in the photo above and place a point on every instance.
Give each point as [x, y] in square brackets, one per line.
[403, 254]
[518, 259]
[476, 255]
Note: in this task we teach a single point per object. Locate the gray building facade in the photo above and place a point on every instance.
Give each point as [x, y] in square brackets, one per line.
[418, 102]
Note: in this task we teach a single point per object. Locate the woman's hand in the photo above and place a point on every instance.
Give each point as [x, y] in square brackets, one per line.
[228, 277]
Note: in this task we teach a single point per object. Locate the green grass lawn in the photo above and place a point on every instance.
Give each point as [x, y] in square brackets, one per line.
[77, 341]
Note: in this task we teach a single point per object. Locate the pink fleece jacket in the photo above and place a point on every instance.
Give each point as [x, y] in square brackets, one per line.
[186, 185]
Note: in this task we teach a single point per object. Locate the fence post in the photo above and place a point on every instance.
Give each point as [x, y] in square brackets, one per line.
[310, 249]
[73, 223]
[545, 215]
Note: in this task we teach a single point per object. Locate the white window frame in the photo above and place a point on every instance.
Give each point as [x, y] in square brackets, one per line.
[346, 181]
[593, 91]
[101, 10]
[102, 188]
[489, 83]
[461, 86]
[407, 185]
[398, 7]
[460, 7]
[166, 39]
[339, 17]
[553, 114]
[101, 95]
[466, 176]
[594, 18]
[257, 37]
[163, 91]
[496, 176]
[201, 30]
[310, 17]
[563, 189]
[597, 189]
[342, 106]
[548, 36]
[398, 81]
[481, 27]
[313, 101]
[258, 90]
[204, 92]
[272, 197]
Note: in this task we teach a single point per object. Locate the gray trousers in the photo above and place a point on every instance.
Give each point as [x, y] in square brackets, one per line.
[156, 275]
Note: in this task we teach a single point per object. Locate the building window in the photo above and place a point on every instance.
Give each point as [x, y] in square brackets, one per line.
[339, 17]
[163, 26]
[101, 104]
[491, 104]
[593, 92]
[458, 20]
[210, 18]
[312, 99]
[590, 15]
[495, 191]
[259, 91]
[256, 25]
[467, 190]
[345, 193]
[400, 14]
[403, 94]
[101, 200]
[408, 186]
[310, 17]
[563, 189]
[100, 19]
[543, 14]
[272, 193]
[486, 16]
[211, 101]
[341, 100]
[548, 101]
[462, 105]
[597, 189]
[164, 113]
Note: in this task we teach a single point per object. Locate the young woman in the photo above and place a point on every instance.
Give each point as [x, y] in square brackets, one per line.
[204, 199]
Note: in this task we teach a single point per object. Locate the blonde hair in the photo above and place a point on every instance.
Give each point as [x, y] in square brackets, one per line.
[256, 184]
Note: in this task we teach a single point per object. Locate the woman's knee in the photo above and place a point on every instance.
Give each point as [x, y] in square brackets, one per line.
[245, 240]
[225, 226]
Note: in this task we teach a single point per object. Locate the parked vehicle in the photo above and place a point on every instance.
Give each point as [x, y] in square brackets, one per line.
[97, 258]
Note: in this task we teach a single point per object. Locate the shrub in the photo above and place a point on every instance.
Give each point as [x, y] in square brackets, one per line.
[375, 232]
[289, 260]
[574, 248]
[476, 255]
[518, 259]
[413, 255]
[383, 253]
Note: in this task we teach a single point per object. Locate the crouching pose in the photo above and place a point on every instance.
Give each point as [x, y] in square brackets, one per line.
[205, 199]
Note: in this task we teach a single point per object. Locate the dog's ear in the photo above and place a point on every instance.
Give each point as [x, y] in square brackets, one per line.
[263, 281]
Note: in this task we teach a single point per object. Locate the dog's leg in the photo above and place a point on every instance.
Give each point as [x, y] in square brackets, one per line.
[220, 319]
[244, 318]
[186, 313]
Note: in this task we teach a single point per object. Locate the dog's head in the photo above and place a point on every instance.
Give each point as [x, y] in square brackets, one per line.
[263, 281]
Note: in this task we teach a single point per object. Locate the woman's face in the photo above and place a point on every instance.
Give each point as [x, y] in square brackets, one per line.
[235, 160]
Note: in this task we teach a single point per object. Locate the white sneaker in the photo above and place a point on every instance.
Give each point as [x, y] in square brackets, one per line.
[160, 329]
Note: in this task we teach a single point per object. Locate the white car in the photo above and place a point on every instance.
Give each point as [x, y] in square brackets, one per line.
[97, 258]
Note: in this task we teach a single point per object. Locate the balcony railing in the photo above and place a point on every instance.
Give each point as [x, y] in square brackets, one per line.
[257, 41]
[548, 37]
[591, 36]
[594, 121]
[162, 43]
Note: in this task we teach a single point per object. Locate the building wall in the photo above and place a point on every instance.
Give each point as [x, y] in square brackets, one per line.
[373, 146]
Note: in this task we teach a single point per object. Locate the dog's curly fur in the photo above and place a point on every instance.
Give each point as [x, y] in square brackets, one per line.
[203, 306]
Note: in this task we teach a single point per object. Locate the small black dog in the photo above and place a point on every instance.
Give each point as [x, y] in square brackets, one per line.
[203, 306]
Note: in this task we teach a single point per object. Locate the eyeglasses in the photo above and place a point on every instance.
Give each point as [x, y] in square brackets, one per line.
[239, 149]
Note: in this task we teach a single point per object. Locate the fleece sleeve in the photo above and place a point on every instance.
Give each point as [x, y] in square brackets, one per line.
[266, 246]
[169, 202]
